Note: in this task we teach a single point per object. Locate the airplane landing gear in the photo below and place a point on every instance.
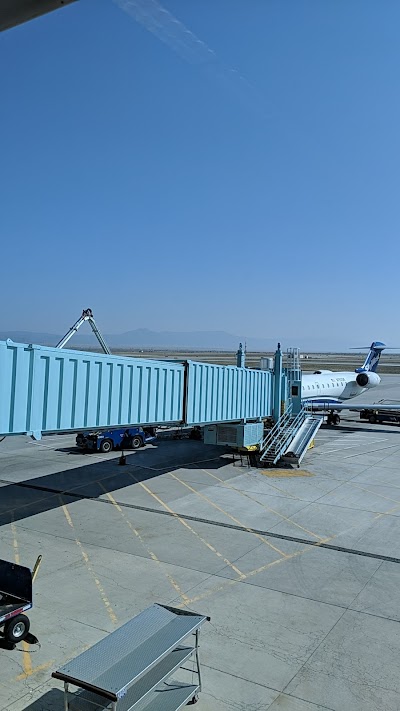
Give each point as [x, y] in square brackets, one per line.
[333, 418]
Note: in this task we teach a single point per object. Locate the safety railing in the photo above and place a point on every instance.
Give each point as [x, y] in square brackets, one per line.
[279, 438]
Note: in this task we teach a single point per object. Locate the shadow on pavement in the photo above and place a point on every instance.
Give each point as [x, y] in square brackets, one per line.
[33, 496]
[52, 700]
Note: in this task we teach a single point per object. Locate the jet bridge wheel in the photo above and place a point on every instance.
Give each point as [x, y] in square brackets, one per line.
[333, 419]
[106, 446]
[136, 442]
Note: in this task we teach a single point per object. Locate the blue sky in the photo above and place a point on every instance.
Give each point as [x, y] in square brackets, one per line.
[239, 173]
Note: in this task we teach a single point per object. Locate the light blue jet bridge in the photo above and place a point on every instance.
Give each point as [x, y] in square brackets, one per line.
[47, 389]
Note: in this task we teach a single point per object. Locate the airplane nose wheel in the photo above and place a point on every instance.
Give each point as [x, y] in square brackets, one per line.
[333, 419]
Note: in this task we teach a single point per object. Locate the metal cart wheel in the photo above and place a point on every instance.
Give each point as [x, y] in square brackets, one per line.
[17, 628]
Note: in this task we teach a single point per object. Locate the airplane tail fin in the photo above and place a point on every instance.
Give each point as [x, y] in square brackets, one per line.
[371, 362]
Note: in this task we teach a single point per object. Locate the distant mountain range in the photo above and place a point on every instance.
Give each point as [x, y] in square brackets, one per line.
[144, 338]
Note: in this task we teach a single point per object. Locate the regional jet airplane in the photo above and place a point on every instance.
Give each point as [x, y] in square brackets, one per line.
[325, 390]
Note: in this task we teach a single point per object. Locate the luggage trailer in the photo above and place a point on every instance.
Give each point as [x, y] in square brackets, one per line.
[16, 599]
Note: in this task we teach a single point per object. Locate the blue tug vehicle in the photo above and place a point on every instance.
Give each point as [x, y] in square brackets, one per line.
[122, 438]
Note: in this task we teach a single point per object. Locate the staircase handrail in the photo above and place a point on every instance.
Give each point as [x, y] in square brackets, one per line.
[292, 431]
[276, 428]
[280, 427]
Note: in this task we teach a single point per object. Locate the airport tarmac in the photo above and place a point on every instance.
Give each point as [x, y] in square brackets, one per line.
[299, 570]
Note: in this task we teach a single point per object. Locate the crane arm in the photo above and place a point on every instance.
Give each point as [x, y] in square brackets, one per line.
[87, 315]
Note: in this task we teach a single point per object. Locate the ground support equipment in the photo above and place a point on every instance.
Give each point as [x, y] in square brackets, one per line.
[131, 668]
[16, 599]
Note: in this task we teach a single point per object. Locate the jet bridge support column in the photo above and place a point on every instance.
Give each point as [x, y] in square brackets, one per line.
[277, 383]
[241, 357]
[295, 396]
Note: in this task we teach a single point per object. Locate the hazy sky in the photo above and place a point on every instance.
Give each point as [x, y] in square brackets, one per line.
[203, 164]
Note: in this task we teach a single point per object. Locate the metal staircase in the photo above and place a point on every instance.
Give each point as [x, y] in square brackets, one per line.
[300, 443]
[291, 432]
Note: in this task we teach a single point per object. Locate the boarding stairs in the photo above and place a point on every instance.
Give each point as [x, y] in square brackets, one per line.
[290, 437]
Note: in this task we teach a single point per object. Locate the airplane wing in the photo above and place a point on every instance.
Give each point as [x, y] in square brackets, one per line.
[14, 12]
[355, 407]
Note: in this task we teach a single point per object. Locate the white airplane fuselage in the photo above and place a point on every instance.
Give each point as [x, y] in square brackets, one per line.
[327, 385]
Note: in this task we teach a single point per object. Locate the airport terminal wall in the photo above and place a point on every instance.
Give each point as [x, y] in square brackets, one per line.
[47, 389]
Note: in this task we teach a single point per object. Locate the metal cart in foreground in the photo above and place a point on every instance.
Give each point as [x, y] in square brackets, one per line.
[16, 598]
[131, 668]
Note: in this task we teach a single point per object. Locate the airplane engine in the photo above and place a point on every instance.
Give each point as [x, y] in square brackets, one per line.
[367, 379]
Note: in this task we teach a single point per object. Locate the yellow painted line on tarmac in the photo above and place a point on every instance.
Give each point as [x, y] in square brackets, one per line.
[189, 528]
[247, 575]
[256, 571]
[280, 490]
[284, 473]
[219, 588]
[41, 667]
[375, 493]
[26, 657]
[389, 512]
[264, 506]
[151, 553]
[233, 518]
[89, 567]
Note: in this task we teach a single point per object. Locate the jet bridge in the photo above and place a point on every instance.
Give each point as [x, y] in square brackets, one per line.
[59, 390]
